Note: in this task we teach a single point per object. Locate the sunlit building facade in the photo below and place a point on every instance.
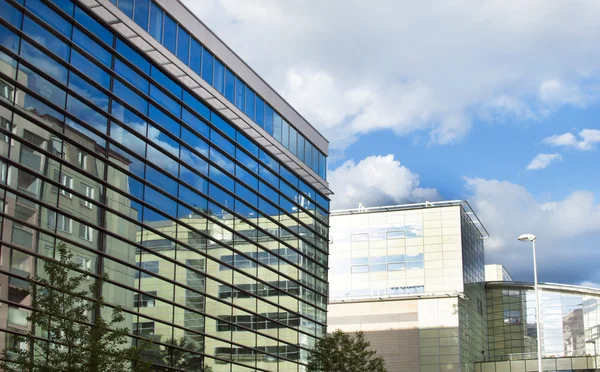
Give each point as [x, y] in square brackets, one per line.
[130, 132]
[412, 278]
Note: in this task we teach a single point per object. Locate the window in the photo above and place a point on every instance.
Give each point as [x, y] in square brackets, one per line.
[56, 145]
[86, 232]
[4, 124]
[84, 263]
[144, 300]
[64, 223]
[65, 181]
[151, 266]
[82, 159]
[6, 90]
[89, 193]
[145, 329]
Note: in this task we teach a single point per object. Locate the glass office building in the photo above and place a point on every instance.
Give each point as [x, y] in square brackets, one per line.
[412, 278]
[130, 132]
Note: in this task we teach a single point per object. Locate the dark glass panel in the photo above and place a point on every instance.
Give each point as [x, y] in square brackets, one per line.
[130, 97]
[195, 56]
[250, 98]
[133, 56]
[43, 62]
[198, 106]
[183, 45]
[166, 82]
[308, 153]
[40, 9]
[207, 65]
[170, 34]
[240, 89]
[156, 22]
[126, 6]
[219, 77]
[130, 142]
[10, 14]
[229, 85]
[93, 26]
[90, 69]
[45, 38]
[142, 11]
[165, 100]
[315, 160]
[285, 134]
[93, 48]
[260, 112]
[9, 39]
[131, 76]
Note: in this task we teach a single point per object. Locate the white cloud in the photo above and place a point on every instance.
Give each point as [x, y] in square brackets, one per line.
[588, 140]
[567, 230]
[414, 66]
[541, 161]
[376, 181]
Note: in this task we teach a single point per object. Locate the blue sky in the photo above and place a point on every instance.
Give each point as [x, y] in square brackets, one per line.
[496, 102]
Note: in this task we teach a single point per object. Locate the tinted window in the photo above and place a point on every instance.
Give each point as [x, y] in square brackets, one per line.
[240, 88]
[195, 123]
[10, 14]
[131, 76]
[90, 69]
[260, 112]
[183, 45]
[268, 119]
[131, 98]
[49, 16]
[88, 91]
[165, 100]
[277, 127]
[43, 62]
[166, 82]
[207, 65]
[195, 56]
[142, 9]
[9, 39]
[45, 38]
[170, 34]
[156, 22]
[93, 26]
[198, 106]
[93, 48]
[133, 56]
[229, 85]
[126, 6]
[249, 110]
[219, 77]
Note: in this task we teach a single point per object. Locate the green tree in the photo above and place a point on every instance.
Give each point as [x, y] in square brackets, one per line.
[341, 352]
[68, 332]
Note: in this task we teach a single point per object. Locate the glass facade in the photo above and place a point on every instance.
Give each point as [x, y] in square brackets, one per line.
[415, 273]
[570, 321]
[213, 248]
[152, 18]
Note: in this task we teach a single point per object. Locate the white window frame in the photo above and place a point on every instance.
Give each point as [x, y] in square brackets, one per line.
[83, 263]
[88, 232]
[66, 181]
[82, 158]
[61, 220]
[89, 192]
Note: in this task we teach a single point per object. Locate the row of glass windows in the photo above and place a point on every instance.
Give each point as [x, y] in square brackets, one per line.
[138, 77]
[75, 105]
[149, 16]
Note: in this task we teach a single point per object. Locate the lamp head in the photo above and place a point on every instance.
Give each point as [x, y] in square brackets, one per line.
[526, 238]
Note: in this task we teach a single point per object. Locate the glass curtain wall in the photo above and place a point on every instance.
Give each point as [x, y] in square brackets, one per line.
[212, 247]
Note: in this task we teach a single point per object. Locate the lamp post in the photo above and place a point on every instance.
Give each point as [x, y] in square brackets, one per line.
[538, 320]
[595, 354]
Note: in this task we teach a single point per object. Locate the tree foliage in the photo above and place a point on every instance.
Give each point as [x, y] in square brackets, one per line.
[339, 351]
[68, 332]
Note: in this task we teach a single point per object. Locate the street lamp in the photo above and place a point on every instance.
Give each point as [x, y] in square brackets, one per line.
[595, 354]
[531, 238]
